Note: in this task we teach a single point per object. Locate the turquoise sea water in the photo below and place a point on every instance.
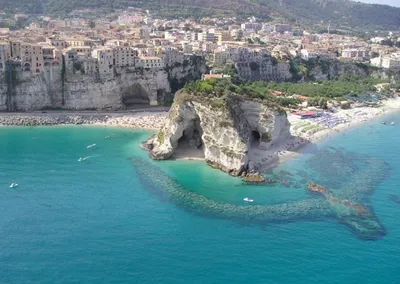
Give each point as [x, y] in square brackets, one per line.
[118, 217]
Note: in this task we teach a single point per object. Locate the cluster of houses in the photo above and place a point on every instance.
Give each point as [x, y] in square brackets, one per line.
[86, 55]
[134, 39]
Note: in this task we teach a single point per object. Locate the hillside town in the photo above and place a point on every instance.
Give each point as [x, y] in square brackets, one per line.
[136, 40]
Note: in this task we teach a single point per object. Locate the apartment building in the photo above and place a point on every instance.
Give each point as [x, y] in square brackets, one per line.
[307, 54]
[58, 43]
[354, 53]
[79, 42]
[124, 56]
[387, 61]
[206, 36]
[15, 49]
[223, 36]
[5, 54]
[150, 62]
[37, 59]
[251, 26]
[105, 59]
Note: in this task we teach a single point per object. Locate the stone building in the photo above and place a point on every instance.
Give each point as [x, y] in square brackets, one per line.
[105, 59]
[124, 56]
[150, 62]
[5, 54]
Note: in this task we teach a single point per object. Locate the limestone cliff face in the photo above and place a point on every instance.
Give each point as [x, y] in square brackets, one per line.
[335, 69]
[23, 91]
[183, 68]
[225, 130]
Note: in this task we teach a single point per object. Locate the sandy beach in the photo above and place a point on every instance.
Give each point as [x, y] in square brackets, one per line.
[149, 120]
[303, 131]
[307, 131]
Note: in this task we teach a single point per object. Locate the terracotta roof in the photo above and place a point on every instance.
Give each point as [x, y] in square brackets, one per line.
[210, 76]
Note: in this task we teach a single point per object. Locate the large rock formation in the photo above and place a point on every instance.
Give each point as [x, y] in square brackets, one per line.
[64, 88]
[225, 130]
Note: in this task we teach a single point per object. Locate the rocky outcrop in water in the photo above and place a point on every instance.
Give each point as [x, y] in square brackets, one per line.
[225, 130]
[359, 219]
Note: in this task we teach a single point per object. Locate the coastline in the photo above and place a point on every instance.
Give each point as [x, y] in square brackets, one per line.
[148, 120]
[304, 132]
[351, 118]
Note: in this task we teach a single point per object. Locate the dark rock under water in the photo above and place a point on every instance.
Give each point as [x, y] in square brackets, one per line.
[358, 180]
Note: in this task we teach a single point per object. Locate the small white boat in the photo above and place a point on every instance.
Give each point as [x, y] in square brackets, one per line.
[13, 185]
[82, 159]
[248, 199]
[392, 123]
[107, 137]
[91, 146]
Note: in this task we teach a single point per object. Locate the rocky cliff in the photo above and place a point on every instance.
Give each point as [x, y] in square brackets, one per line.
[61, 88]
[225, 130]
[321, 69]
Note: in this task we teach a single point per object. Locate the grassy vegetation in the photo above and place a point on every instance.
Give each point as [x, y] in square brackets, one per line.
[161, 137]
[345, 85]
[318, 93]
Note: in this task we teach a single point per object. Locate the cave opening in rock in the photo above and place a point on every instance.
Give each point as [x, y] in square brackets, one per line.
[135, 96]
[190, 144]
[255, 139]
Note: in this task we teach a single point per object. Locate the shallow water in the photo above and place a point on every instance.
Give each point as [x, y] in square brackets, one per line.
[98, 221]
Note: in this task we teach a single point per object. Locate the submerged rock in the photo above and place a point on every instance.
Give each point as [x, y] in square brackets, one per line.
[254, 178]
[225, 129]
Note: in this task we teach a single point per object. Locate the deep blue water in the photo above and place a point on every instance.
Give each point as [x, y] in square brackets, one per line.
[98, 221]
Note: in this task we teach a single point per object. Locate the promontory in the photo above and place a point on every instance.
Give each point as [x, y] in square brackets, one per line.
[225, 124]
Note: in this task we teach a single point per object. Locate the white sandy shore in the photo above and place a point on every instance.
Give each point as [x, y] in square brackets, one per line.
[139, 120]
[308, 131]
[303, 132]
[148, 121]
[312, 131]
